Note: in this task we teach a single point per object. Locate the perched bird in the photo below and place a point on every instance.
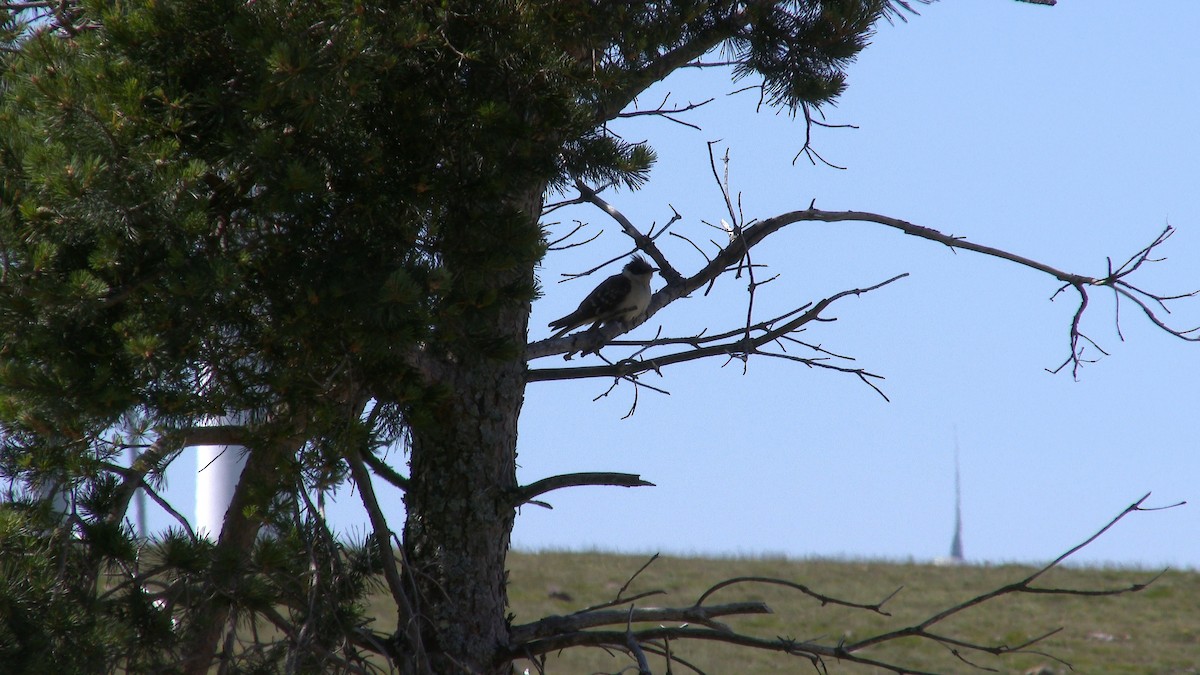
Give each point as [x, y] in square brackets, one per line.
[621, 297]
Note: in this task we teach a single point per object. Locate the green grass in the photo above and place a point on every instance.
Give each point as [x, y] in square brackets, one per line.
[1156, 630]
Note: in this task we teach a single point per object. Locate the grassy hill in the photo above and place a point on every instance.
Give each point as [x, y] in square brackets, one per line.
[1156, 630]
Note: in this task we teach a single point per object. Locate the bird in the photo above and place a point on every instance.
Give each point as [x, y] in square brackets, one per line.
[621, 297]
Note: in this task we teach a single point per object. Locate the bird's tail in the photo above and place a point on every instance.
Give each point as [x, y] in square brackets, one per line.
[566, 324]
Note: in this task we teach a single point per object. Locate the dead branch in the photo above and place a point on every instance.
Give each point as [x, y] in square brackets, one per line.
[168, 508]
[560, 245]
[669, 113]
[134, 478]
[876, 607]
[385, 471]
[624, 587]
[644, 242]
[1023, 586]
[807, 150]
[408, 621]
[635, 647]
[705, 616]
[577, 630]
[585, 638]
[733, 228]
[731, 256]
[739, 348]
[527, 493]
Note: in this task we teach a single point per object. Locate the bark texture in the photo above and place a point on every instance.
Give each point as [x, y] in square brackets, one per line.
[460, 500]
[460, 517]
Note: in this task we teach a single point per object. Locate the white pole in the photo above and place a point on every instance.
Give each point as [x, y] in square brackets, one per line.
[139, 499]
[60, 499]
[218, 468]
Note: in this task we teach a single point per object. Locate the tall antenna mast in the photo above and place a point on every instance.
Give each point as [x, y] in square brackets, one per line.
[956, 544]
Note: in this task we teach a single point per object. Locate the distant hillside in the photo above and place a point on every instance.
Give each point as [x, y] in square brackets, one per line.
[1156, 630]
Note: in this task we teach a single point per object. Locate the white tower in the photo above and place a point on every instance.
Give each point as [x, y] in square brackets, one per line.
[218, 468]
[139, 500]
[60, 499]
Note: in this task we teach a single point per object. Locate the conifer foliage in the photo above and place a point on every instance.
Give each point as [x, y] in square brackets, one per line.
[321, 220]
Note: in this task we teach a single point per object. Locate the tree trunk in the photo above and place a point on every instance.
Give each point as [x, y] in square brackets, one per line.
[259, 482]
[460, 516]
[459, 501]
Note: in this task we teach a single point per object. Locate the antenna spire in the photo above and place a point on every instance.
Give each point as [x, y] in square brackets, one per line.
[956, 544]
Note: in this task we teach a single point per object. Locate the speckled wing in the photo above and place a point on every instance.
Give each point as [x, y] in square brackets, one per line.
[603, 303]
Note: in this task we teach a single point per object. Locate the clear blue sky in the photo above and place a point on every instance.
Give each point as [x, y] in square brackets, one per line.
[1063, 134]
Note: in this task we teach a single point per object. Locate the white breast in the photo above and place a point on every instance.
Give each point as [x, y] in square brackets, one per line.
[639, 299]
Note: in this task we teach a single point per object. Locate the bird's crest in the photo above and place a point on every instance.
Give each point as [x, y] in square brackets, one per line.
[638, 265]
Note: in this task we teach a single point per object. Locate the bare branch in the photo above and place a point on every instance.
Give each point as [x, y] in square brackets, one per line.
[730, 256]
[385, 471]
[635, 647]
[635, 575]
[1023, 586]
[669, 113]
[527, 493]
[558, 245]
[807, 149]
[1134, 507]
[561, 632]
[823, 599]
[737, 347]
[617, 639]
[621, 601]
[642, 241]
[166, 506]
[582, 621]
[408, 620]
[135, 478]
